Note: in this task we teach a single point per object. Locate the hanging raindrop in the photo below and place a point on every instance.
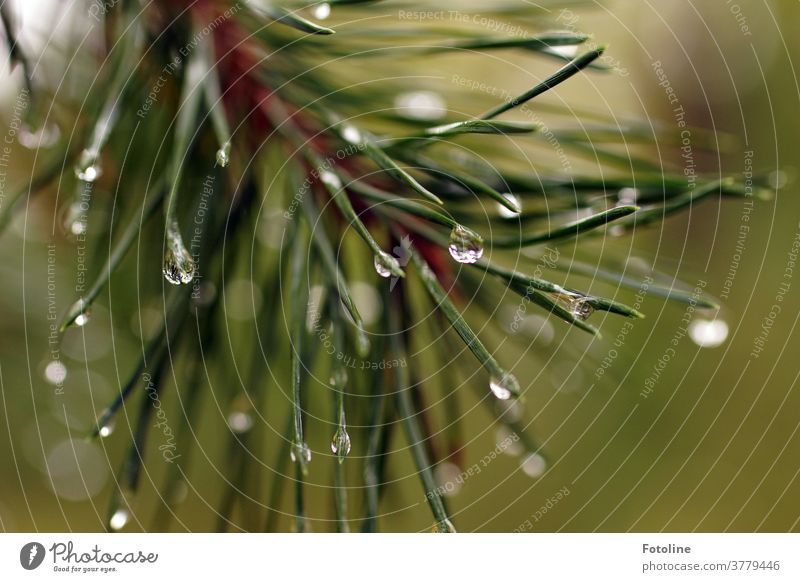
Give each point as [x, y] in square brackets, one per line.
[224, 154]
[178, 266]
[119, 519]
[505, 386]
[74, 222]
[466, 246]
[444, 526]
[534, 465]
[386, 265]
[300, 451]
[87, 169]
[506, 212]
[340, 443]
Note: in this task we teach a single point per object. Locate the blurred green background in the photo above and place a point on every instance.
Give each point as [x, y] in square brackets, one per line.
[713, 446]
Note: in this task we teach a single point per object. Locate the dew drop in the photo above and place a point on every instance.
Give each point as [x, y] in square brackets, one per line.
[507, 212]
[445, 526]
[340, 443]
[119, 519]
[362, 343]
[300, 451]
[83, 317]
[87, 169]
[386, 265]
[708, 334]
[503, 388]
[330, 179]
[338, 377]
[628, 195]
[778, 179]
[322, 11]
[566, 51]
[178, 266]
[224, 154]
[351, 135]
[466, 246]
[74, 222]
[424, 105]
[55, 372]
[534, 465]
[240, 422]
[577, 305]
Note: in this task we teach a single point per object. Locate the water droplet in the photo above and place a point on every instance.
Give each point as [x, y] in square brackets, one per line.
[449, 478]
[386, 265]
[87, 169]
[351, 135]
[778, 179]
[224, 154]
[445, 526]
[106, 430]
[178, 266]
[340, 443]
[240, 422]
[44, 137]
[424, 105]
[577, 305]
[322, 11]
[55, 372]
[534, 465]
[504, 387]
[338, 377]
[82, 318]
[628, 195]
[300, 451]
[566, 51]
[508, 442]
[119, 519]
[466, 246]
[74, 222]
[708, 334]
[363, 344]
[507, 212]
[330, 179]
